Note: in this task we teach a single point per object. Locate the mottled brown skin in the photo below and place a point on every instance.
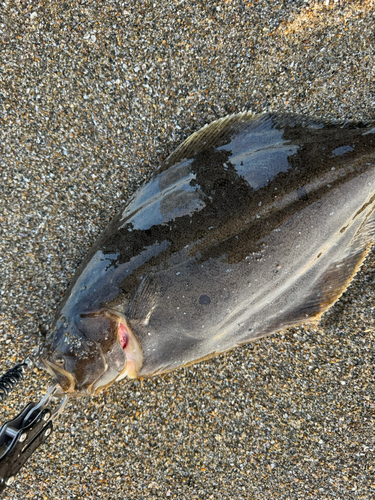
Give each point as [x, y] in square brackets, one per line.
[254, 224]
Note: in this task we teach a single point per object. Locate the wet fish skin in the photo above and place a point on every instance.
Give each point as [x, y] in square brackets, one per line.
[255, 223]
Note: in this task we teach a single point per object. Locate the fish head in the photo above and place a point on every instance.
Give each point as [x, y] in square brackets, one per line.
[86, 353]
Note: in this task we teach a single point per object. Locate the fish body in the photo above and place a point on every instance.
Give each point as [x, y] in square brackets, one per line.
[254, 224]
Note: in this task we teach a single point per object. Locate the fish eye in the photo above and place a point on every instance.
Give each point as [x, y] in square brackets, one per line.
[59, 360]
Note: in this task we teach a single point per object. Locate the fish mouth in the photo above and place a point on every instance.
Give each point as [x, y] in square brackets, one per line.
[63, 378]
[133, 355]
[132, 348]
[111, 360]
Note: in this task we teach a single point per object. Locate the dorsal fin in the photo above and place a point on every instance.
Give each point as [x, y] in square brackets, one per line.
[215, 133]
[220, 132]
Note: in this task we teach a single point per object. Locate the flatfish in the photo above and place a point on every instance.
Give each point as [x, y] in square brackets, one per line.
[254, 224]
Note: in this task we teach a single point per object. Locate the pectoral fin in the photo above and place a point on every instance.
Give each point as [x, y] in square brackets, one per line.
[144, 300]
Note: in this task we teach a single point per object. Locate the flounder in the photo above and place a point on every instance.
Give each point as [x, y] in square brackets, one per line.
[254, 224]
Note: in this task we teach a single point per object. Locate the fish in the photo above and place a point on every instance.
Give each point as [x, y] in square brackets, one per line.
[256, 223]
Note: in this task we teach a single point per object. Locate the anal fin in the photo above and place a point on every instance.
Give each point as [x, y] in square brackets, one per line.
[337, 277]
[332, 285]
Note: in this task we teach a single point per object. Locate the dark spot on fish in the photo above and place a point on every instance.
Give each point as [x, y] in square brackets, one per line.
[204, 299]
[301, 192]
[319, 255]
